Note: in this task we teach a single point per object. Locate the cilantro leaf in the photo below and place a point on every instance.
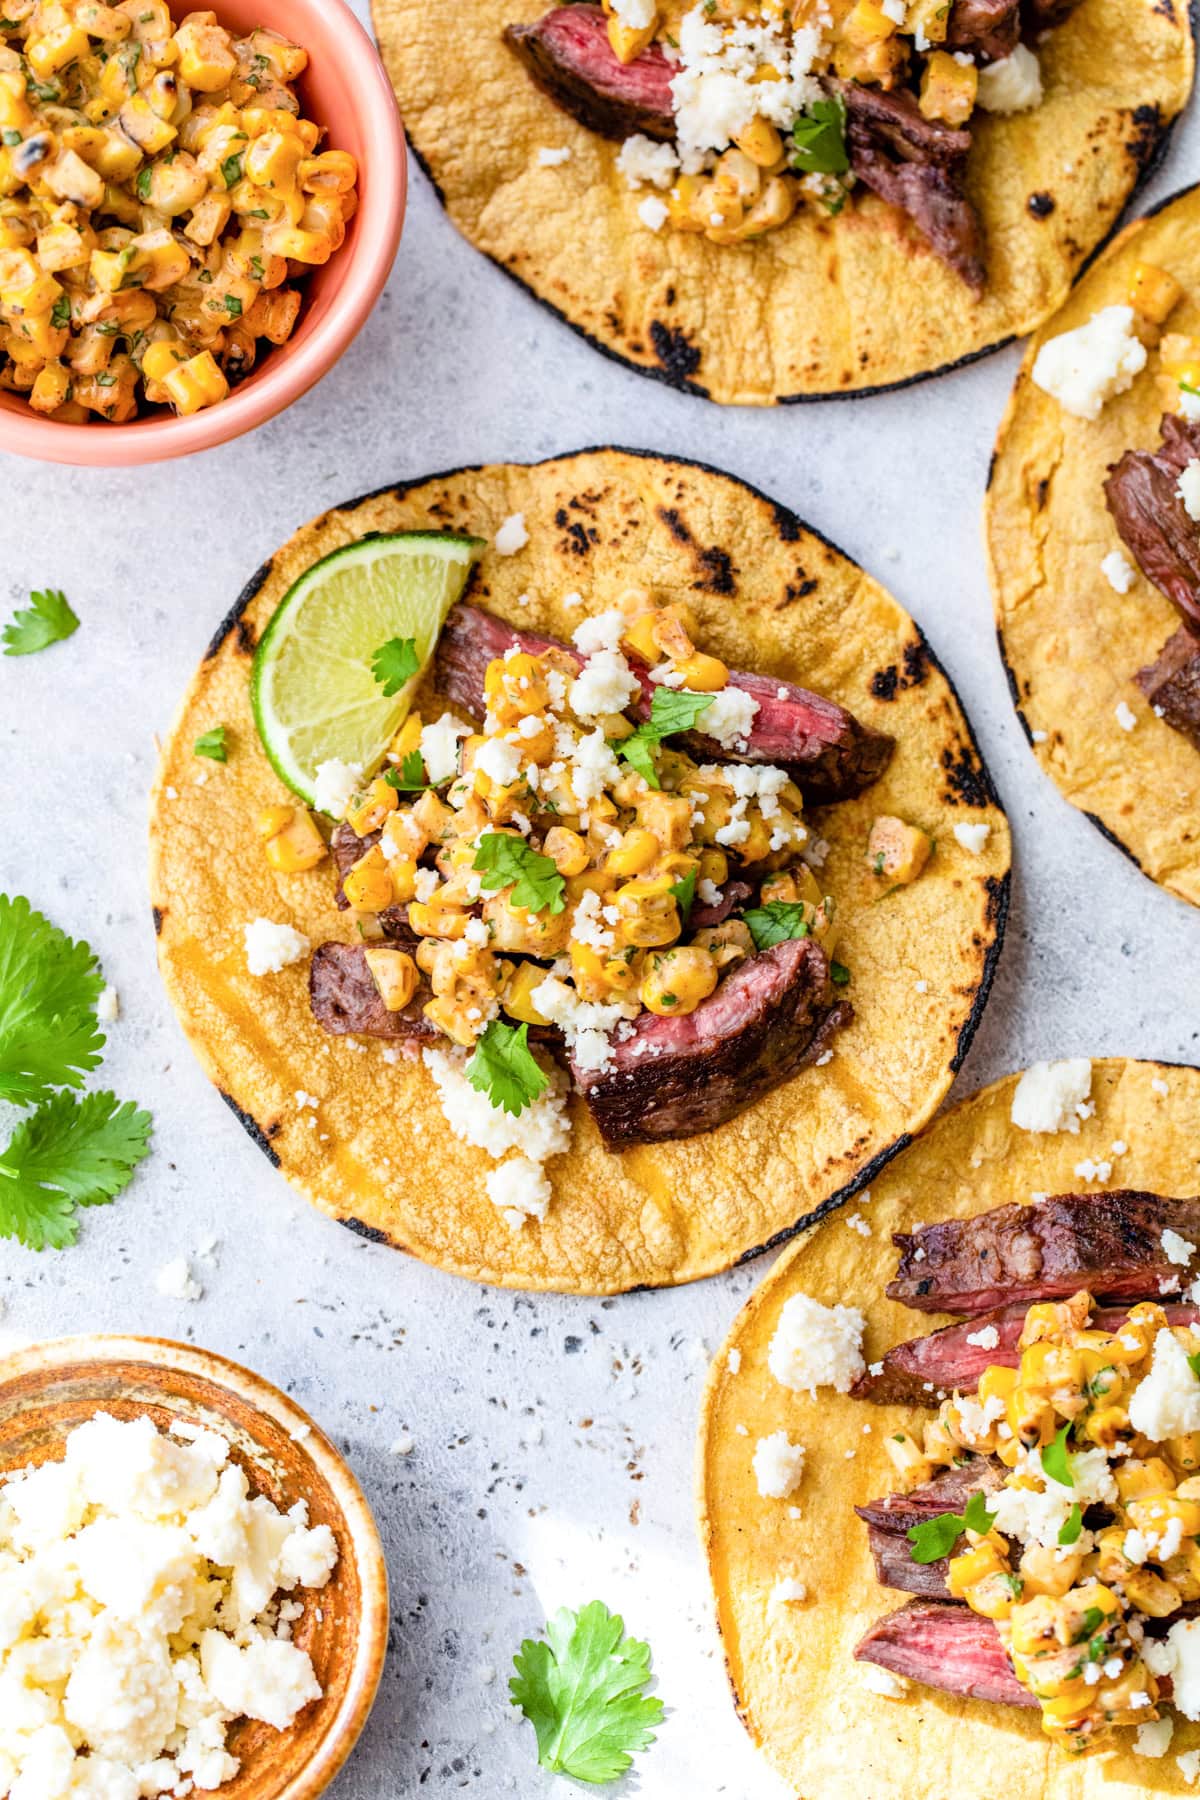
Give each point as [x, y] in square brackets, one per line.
[582, 1689]
[46, 620]
[934, 1538]
[819, 138]
[675, 709]
[49, 985]
[504, 1068]
[506, 861]
[232, 170]
[638, 752]
[395, 663]
[1073, 1525]
[775, 923]
[410, 777]
[684, 893]
[1056, 1462]
[839, 974]
[212, 744]
[1194, 1364]
[69, 1153]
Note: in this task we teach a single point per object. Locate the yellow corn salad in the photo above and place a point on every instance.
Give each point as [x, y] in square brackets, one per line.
[1073, 1571]
[160, 196]
[616, 856]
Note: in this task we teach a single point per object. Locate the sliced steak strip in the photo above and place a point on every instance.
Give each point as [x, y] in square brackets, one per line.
[1110, 1244]
[918, 1372]
[1039, 16]
[920, 166]
[735, 896]
[989, 30]
[1142, 496]
[346, 1002]
[945, 1646]
[824, 748]
[889, 1520]
[570, 58]
[672, 1078]
[1172, 684]
[346, 849]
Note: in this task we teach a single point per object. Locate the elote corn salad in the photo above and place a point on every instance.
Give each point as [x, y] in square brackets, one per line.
[763, 91]
[1093, 1535]
[160, 197]
[549, 865]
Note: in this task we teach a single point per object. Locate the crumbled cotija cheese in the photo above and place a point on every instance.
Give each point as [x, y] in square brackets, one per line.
[778, 1466]
[1118, 572]
[817, 1346]
[1011, 85]
[542, 1130]
[1189, 488]
[642, 161]
[1081, 369]
[973, 837]
[439, 747]
[519, 1189]
[271, 947]
[335, 787]
[1166, 1402]
[883, 1682]
[1049, 1096]
[137, 1581]
[719, 89]
[108, 1006]
[512, 535]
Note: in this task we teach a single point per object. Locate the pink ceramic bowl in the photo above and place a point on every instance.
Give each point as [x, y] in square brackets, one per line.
[346, 90]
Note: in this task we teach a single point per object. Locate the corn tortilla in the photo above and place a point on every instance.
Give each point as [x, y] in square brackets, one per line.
[1070, 644]
[820, 306]
[797, 1688]
[771, 596]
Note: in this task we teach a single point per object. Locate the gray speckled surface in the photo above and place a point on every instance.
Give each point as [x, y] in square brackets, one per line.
[552, 1439]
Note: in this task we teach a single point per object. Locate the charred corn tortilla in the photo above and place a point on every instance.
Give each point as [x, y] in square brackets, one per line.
[819, 306]
[770, 595]
[1070, 644]
[799, 1692]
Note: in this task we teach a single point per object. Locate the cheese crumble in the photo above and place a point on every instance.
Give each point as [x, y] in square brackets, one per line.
[1051, 1096]
[1084, 368]
[141, 1614]
[817, 1346]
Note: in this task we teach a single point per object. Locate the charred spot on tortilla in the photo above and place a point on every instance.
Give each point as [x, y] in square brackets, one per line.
[885, 682]
[968, 783]
[1147, 133]
[233, 618]
[997, 892]
[717, 572]
[1040, 205]
[252, 1128]
[917, 658]
[679, 357]
[158, 913]
[371, 1233]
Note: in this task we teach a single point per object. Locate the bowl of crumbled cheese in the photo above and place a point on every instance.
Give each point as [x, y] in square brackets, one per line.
[193, 1595]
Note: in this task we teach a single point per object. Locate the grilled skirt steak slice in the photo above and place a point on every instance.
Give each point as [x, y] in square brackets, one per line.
[672, 1078]
[1172, 684]
[570, 58]
[346, 1002]
[1141, 492]
[1110, 1244]
[988, 30]
[945, 1646]
[825, 750]
[920, 166]
[1038, 16]
[346, 849]
[888, 1522]
[735, 897]
[923, 1370]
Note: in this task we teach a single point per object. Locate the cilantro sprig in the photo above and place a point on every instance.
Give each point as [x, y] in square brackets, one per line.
[504, 1068]
[506, 861]
[49, 986]
[934, 1538]
[68, 1152]
[684, 895]
[395, 663]
[1072, 1526]
[776, 923]
[48, 619]
[582, 1688]
[214, 744]
[1056, 1462]
[410, 777]
[818, 144]
[671, 710]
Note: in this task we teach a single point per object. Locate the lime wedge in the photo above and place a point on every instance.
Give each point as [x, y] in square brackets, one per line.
[315, 698]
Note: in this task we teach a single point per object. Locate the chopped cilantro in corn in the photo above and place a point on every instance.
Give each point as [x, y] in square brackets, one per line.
[159, 197]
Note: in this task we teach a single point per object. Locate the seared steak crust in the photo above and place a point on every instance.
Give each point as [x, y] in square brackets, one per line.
[1142, 496]
[889, 1520]
[346, 1002]
[919, 1372]
[1110, 1244]
[1172, 684]
[570, 58]
[945, 1646]
[919, 165]
[988, 30]
[1038, 16]
[824, 748]
[672, 1078]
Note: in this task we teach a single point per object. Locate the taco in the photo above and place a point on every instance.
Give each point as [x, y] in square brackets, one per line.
[1093, 532]
[663, 918]
[762, 203]
[942, 1448]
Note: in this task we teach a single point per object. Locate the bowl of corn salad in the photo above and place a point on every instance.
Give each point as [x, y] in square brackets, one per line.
[198, 211]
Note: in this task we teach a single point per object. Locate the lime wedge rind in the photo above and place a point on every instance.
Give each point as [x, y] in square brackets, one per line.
[313, 695]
